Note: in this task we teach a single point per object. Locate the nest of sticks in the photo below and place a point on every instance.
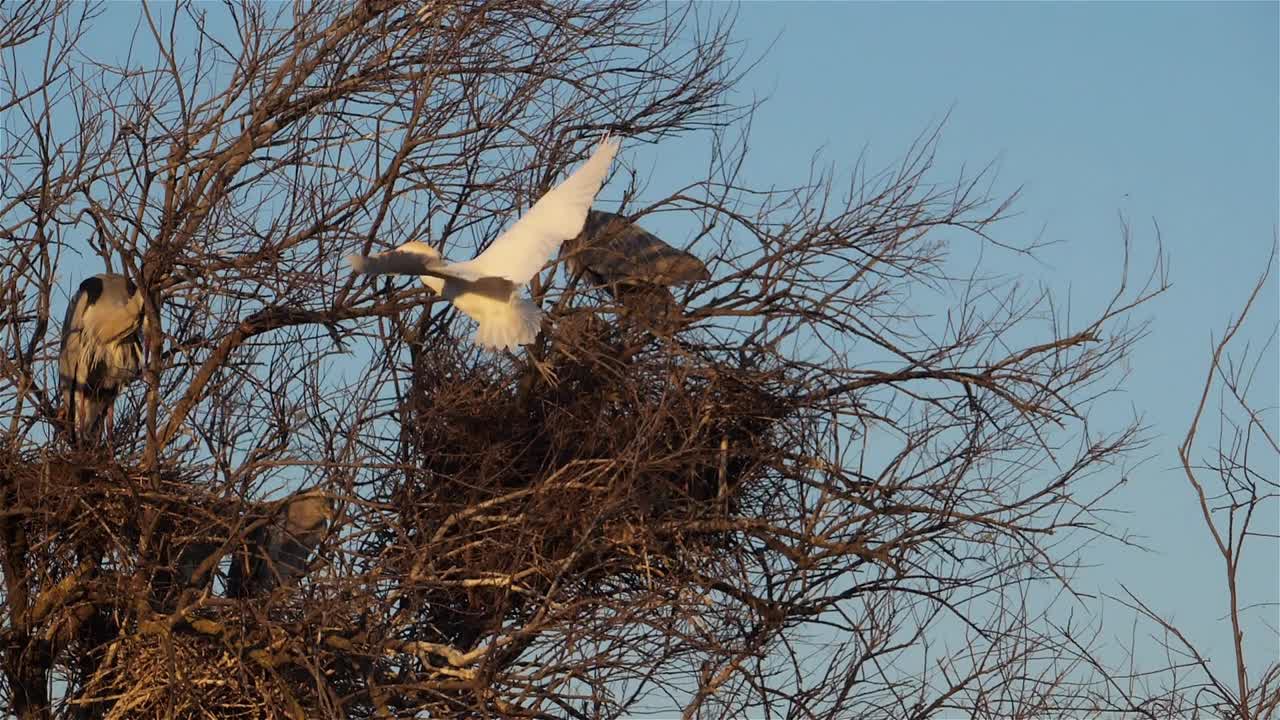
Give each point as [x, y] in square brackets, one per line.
[606, 458]
[614, 454]
[123, 573]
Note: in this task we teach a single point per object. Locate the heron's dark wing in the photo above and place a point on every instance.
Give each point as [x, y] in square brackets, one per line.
[72, 323]
[70, 351]
[618, 251]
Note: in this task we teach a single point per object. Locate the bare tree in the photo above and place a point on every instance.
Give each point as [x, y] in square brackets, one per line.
[1246, 497]
[815, 495]
[1236, 490]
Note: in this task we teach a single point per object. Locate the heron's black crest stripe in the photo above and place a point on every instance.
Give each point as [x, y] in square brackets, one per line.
[92, 289]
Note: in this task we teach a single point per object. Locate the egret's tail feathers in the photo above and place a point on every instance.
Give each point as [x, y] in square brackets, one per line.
[511, 329]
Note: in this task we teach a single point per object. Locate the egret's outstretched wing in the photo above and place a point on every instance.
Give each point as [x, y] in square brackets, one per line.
[394, 262]
[520, 252]
[407, 262]
[69, 353]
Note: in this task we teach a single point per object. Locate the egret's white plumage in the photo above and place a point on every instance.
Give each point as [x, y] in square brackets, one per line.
[487, 287]
[101, 348]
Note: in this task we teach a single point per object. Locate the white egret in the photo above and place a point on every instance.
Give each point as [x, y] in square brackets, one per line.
[487, 287]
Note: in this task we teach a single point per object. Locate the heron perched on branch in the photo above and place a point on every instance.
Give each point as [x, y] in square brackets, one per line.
[101, 349]
[487, 288]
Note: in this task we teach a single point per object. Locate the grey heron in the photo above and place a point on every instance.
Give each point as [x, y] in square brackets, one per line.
[487, 287]
[101, 349]
[611, 251]
[634, 266]
[279, 547]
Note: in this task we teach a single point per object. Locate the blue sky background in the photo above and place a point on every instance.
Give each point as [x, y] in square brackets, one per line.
[1160, 112]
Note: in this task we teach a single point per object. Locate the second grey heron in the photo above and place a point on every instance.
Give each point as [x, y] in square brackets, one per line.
[279, 549]
[611, 250]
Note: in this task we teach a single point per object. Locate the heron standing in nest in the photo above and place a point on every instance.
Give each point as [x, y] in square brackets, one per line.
[635, 266]
[101, 350]
[278, 549]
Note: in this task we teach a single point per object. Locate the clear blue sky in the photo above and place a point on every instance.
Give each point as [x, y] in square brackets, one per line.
[1160, 111]
[1157, 111]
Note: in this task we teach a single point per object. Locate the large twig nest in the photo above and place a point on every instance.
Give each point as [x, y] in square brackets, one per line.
[610, 463]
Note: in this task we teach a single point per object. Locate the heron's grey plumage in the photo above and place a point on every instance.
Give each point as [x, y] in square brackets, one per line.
[101, 349]
[278, 551]
[635, 267]
[611, 250]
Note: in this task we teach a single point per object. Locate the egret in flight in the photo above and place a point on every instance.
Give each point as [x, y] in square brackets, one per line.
[487, 287]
